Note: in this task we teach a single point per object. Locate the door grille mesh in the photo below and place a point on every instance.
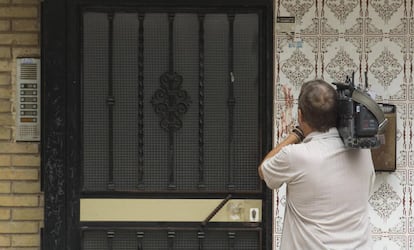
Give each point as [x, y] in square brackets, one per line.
[133, 142]
[162, 240]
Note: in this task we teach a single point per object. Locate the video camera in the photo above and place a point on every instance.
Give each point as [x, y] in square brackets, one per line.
[360, 118]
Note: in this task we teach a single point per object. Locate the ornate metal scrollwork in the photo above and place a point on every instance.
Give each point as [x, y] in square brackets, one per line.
[171, 102]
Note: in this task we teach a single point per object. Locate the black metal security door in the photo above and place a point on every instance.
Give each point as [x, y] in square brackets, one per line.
[170, 101]
[162, 101]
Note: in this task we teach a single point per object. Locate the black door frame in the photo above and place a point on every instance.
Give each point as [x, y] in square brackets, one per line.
[60, 147]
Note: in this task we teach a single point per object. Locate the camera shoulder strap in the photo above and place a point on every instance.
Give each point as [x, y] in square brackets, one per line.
[372, 106]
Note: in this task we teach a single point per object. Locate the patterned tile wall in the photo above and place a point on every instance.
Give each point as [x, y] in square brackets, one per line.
[332, 39]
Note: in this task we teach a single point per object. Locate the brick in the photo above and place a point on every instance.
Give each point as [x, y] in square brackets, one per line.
[26, 52]
[41, 200]
[15, 148]
[5, 241]
[26, 2]
[5, 93]
[19, 200]
[25, 25]
[6, 119]
[4, 25]
[5, 160]
[18, 227]
[25, 187]
[22, 248]
[5, 214]
[5, 52]
[25, 240]
[5, 78]
[17, 11]
[5, 133]
[5, 65]
[5, 106]
[26, 160]
[19, 174]
[5, 187]
[27, 214]
[19, 39]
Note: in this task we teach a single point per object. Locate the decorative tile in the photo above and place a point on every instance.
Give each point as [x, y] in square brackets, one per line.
[294, 66]
[410, 220]
[297, 68]
[326, 27]
[340, 61]
[385, 68]
[278, 238]
[386, 199]
[344, 13]
[284, 120]
[357, 29]
[385, 71]
[280, 200]
[298, 9]
[408, 134]
[371, 28]
[402, 135]
[311, 29]
[341, 66]
[410, 66]
[392, 242]
[387, 14]
[388, 203]
[402, 27]
[313, 43]
[410, 208]
[410, 242]
[281, 44]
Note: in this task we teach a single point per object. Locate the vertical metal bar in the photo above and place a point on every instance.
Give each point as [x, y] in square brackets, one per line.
[171, 159]
[171, 103]
[171, 236]
[201, 45]
[232, 240]
[171, 17]
[140, 238]
[141, 101]
[201, 236]
[110, 101]
[110, 236]
[81, 237]
[231, 101]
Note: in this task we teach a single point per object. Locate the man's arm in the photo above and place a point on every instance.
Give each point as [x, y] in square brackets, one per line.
[292, 138]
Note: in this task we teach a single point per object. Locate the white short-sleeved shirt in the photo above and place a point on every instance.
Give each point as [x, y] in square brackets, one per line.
[328, 188]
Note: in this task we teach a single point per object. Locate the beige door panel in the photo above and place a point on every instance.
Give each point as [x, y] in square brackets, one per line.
[169, 210]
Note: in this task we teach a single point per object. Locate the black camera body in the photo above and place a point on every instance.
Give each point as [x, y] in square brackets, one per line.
[358, 126]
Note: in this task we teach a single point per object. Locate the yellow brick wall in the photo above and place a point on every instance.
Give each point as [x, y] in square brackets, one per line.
[21, 202]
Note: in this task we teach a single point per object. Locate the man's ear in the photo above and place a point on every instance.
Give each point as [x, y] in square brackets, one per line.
[303, 124]
[300, 116]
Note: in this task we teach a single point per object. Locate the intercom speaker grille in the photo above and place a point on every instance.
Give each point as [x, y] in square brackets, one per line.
[28, 71]
[28, 99]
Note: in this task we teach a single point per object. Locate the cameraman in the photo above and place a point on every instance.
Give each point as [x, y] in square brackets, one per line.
[327, 185]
